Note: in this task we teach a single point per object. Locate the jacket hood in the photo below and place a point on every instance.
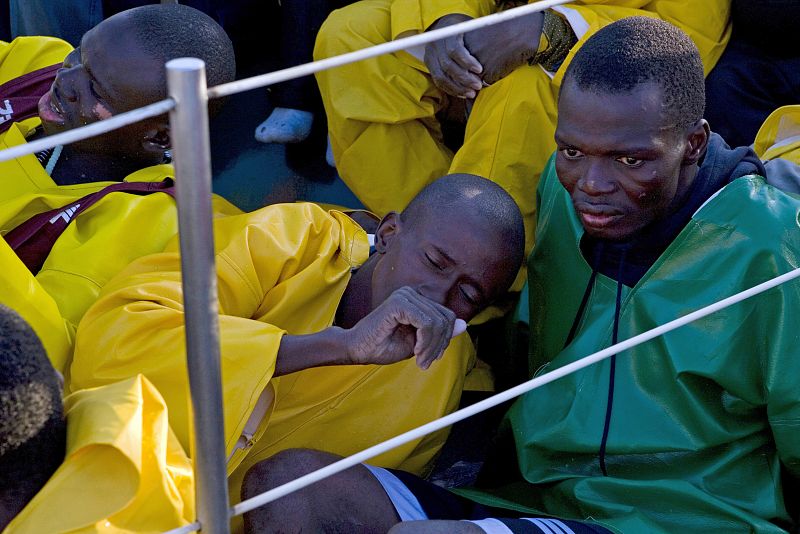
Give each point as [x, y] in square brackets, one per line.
[723, 164]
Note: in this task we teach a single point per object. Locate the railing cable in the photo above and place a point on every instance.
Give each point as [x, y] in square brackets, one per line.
[371, 452]
[90, 130]
[291, 73]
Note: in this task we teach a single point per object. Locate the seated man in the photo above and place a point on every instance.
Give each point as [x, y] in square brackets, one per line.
[644, 216]
[298, 293]
[121, 484]
[384, 113]
[119, 67]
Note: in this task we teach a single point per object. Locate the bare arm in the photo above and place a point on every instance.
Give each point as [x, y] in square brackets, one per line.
[405, 325]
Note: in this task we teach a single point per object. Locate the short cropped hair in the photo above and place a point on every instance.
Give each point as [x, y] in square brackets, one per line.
[170, 31]
[638, 50]
[32, 425]
[478, 196]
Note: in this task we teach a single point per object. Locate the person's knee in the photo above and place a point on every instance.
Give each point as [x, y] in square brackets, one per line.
[350, 501]
[283, 467]
[304, 509]
[436, 527]
[353, 27]
[525, 90]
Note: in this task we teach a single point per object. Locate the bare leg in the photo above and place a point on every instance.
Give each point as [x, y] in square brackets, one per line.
[352, 501]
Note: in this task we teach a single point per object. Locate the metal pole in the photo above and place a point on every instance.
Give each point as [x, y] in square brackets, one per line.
[186, 80]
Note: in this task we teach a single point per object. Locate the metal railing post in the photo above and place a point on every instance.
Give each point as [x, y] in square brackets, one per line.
[186, 81]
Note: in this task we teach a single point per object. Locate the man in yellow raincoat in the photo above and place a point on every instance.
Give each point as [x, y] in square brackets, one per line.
[502, 81]
[299, 293]
[116, 69]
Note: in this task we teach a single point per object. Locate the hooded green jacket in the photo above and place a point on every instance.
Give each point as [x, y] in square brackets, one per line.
[705, 420]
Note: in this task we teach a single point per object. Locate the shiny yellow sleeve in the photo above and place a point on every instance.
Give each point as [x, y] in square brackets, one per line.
[27, 54]
[416, 16]
[20, 291]
[779, 136]
[136, 326]
[706, 22]
[124, 471]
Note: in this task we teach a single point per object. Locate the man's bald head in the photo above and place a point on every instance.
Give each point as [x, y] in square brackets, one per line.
[479, 197]
[169, 31]
[119, 67]
[459, 243]
[32, 426]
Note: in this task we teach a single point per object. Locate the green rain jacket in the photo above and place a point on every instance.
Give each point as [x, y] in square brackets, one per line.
[705, 419]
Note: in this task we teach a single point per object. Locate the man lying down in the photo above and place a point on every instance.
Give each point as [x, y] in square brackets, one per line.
[317, 331]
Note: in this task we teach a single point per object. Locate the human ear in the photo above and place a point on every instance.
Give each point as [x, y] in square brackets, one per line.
[157, 139]
[387, 230]
[696, 142]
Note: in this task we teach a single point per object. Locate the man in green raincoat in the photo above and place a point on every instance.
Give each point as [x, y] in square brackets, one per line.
[644, 215]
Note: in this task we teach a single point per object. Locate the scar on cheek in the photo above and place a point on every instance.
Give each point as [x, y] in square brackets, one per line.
[101, 112]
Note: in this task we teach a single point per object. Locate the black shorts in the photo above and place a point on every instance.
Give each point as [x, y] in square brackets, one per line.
[418, 499]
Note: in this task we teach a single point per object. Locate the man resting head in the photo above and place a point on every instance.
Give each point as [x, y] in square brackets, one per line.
[449, 254]
[119, 66]
[302, 299]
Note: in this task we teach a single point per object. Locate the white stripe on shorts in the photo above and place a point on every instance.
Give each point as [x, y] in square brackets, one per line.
[405, 503]
[548, 525]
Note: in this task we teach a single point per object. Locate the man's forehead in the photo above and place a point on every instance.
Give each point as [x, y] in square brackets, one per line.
[460, 234]
[116, 38]
[116, 57]
[615, 117]
[646, 97]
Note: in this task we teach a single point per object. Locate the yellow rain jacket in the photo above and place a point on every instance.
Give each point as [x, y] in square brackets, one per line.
[779, 136]
[386, 139]
[124, 469]
[20, 291]
[281, 269]
[101, 241]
